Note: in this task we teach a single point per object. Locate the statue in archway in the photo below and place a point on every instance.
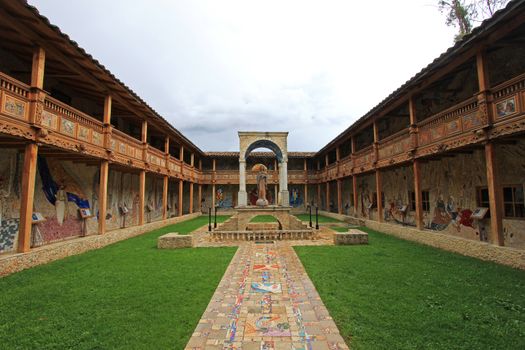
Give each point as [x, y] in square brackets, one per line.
[262, 180]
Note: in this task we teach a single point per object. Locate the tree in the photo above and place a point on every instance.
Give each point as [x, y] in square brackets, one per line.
[462, 14]
[459, 14]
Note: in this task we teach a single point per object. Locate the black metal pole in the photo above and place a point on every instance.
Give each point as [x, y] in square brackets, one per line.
[209, 219]
[310, 210]
[317, 218]
[215, 220]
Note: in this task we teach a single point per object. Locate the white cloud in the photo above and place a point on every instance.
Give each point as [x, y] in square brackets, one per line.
[215, 67]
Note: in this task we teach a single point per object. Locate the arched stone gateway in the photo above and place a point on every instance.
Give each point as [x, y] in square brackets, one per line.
[277, 143]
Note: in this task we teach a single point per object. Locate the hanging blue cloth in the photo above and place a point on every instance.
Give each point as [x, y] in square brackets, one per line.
[50, 187]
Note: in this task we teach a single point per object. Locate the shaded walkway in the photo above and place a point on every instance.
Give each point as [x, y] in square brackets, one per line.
[265, 300]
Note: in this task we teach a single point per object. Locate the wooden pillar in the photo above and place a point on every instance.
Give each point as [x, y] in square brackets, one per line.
[379, 189]
[103, 196]
[318, 194]
[326, 160]
[192, 159]
[213, 196]
[356, 196]
[165, 197]
[199, 197]
[142, 194]
[305, 194]
[181, 155]
[38, 67]
[495, 196]
[191, 197]
[181, 188]
[328, 196]
[339, 196]
[418, 194]
[28, 192]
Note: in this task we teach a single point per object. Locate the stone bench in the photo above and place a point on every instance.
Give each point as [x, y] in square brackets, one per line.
[352, 237]
[173, 241]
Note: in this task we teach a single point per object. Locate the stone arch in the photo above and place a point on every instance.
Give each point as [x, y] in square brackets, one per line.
[269, 144]
[277, 143]
[250, 218]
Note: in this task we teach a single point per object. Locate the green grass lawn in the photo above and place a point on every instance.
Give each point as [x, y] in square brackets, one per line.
[322, 219]
[394, 294]
[128, 295]
[263, 218]
[339, 228]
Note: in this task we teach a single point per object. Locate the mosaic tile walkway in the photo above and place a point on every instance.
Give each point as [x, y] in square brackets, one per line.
[265, 300]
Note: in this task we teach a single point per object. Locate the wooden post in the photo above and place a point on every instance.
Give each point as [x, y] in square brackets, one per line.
[28, 192]
[181, 188]
[38, 67]
[165, 198]
[144, 131]
[319, 194]
[167, 145]
[192, 159]
[418, 194]
[326, 160]
[142, 194]
[495, 196]
[305, 194]
[328, 196]
[483, 78]
[356, 196]
[339, 197]
[213, 195]
[379, 189]
[191, 197]
[107, 110]
[199, 197]
[103, 196]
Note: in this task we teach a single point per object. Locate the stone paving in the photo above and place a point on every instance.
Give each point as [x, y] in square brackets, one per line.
[266, 301]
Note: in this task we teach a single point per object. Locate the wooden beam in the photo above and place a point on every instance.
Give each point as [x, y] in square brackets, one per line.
[28, 192]
[142, 194]
[107, 110]
[328, 196]
[354, 192]
[495, 196]
[191, 198]
[37, 69]
[144, 132]
[339, 196]
[181, 187]
[103, 196]
[379, 190]
[165, 198]
[418, 194]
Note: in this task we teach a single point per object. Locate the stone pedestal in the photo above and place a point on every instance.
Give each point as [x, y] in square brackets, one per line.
[174, 241]
[352, 237]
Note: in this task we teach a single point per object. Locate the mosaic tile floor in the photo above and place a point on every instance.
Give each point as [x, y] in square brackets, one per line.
[266, 300]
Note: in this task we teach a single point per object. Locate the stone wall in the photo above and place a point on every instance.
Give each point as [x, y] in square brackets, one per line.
[481, 250]
[45, 254]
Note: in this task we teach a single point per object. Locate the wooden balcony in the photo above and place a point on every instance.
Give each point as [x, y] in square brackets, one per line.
[34, 115]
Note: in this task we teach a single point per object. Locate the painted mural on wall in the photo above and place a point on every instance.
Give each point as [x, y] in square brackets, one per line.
[366, 186]
[60, 191]
[451, 184]
[223, 198]
[10, 187]
[397, 185]
[296, 197]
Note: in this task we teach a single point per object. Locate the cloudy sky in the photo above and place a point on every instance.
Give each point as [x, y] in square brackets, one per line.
[214, 67]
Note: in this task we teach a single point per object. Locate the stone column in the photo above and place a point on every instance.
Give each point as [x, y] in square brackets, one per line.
[283, 183]
[243, 196]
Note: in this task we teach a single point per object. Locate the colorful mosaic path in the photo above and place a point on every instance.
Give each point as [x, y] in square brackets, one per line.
[265, 300]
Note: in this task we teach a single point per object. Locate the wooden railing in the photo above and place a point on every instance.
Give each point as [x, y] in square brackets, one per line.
[14, 96]
[156, 157]
[394, 144]
[508, 98]
[450, 122]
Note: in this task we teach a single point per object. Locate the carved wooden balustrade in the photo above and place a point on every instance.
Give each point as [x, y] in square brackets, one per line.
[58, 124]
